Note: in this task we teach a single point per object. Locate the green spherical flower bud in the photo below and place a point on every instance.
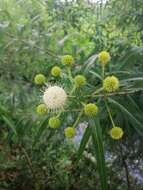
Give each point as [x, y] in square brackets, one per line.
[104, 57]
[67, 60]
[80, 80]
[54, 122]
[40, 79]
[90, 109]
[41, 109]
[116, 133]
[70, 132]
[56, 71]
[111, 84]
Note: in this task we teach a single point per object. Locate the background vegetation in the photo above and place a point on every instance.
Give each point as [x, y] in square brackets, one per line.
[33, 34]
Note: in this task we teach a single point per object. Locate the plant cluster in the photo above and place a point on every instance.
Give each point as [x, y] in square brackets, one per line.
[67, 108]
[57, 103]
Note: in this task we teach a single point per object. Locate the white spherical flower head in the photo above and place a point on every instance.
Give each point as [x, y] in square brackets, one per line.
[54, 97]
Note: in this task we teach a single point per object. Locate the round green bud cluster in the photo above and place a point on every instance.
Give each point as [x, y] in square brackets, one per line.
[104, 57]
[90, 109]
[56, 71]
[41, 109]
[40, 79]
[110, 84]
[79, 80]
[67, 60]
[116, 133]
[54, 122]
[70, 132]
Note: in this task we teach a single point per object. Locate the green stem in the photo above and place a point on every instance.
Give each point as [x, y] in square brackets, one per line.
[72, 90]
[78, 118]
[60, 112]
[70, 74]
[109, 112]
[96, 91]
[110, 94]
[105, 99]
[103, 71]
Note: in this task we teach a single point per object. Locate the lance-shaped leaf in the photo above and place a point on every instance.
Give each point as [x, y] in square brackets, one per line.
[136, 123]
[99, 151]
[10, 124]
[83, 143]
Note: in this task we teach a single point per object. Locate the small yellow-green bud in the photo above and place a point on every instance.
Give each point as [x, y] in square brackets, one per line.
[104, 57]
[67, 60]
[56, 71]
[70, 132]
[54, 122]
[40, 79]
[79, 80]
[116, 133]
[110, 84]
[90, 109]
[41, 109]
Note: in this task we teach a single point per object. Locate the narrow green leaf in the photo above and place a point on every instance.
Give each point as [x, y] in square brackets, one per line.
[138, 127]
[134, 104]
[84, 142]
[10, 123]
[133, 79]
[96, 74]
[99, 151]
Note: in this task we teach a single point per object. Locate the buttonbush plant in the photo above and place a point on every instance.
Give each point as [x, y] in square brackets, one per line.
[76, 94]
[71, 95]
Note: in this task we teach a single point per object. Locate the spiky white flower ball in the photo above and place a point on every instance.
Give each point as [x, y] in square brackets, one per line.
[54, 97]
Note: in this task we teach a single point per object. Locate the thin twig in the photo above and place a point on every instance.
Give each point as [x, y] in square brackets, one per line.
[111, 94]
[119, 93]
[29, 162]
[78, 118]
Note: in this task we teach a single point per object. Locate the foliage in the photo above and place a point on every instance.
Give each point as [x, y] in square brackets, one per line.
[34, 36]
